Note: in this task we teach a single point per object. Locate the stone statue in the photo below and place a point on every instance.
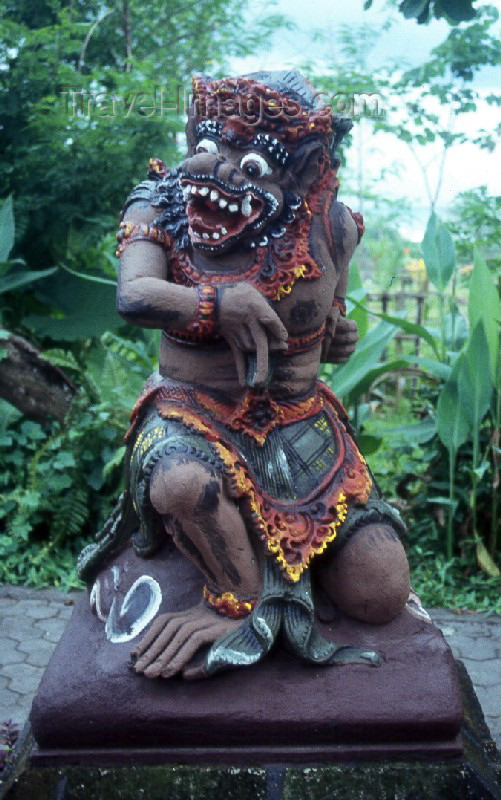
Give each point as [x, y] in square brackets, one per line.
[238, 457]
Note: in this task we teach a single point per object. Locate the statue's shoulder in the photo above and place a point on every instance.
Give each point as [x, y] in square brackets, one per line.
[159, 187]
[342, 217]
[162, 193]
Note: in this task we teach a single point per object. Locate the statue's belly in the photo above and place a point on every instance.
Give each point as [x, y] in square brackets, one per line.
[214, 368]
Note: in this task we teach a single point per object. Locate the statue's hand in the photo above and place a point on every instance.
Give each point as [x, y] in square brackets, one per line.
[340, 344]
[250, 326]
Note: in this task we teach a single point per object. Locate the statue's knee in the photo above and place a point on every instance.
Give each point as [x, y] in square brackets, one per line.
[180, 489]
[369, 578]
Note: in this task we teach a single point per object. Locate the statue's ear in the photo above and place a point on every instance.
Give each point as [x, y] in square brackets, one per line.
[305, 164]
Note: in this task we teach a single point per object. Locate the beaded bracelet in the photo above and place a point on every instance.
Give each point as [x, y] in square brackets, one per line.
[228, 604]
[141, 232]
[203, 326]
[338, 302]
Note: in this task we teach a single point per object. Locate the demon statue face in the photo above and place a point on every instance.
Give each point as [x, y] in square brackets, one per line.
[254, 152]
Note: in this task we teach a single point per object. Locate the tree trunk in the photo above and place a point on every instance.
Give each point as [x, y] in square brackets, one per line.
[31, 384]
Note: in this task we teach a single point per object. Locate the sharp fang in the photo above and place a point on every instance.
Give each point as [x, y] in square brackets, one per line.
[233, 207]
[215, 235]
[204, 191]
[205, 235]
[223, 203]
[224, 231]
[246, 206]
[194, 190]
[214, 195]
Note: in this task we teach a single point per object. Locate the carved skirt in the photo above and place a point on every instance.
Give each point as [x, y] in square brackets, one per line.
[294, 467]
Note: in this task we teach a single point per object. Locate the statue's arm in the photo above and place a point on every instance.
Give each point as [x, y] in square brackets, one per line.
[341, 333]
[145, 297]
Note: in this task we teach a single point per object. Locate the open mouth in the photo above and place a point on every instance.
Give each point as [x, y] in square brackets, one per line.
[218, 213]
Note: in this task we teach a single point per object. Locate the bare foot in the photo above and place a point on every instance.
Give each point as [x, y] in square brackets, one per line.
[173, 639]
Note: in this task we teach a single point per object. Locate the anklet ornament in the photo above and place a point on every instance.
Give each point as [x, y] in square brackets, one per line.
[228, 604]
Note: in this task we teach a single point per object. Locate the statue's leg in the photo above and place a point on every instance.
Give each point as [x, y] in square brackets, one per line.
[368, 578]
[207, 527]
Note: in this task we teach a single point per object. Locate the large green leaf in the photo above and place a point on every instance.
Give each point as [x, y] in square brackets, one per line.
[86, 309]
[409, 327]
[384, 368]
[16, 278]
[419, 432]
[452, 422]
[6, 229]
[438, 252]
[435, 368]
[474, 378]
[365, 358]
[483, 304]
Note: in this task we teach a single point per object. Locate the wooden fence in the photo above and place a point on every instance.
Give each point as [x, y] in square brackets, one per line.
[415, 302]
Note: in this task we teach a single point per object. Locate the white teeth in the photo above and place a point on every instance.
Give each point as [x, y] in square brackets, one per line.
[194, 189]
[246, 206]
[214, 195]
[204, 191]
[224, 231]
[223, 203]
[215, 235]
[205, 235]
[186, 192]
[233, 208]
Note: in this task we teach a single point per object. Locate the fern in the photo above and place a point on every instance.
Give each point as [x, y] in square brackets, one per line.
[72, 513]
[61, 358]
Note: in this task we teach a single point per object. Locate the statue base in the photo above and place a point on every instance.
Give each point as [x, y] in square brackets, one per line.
[474, 776]
[92, 709]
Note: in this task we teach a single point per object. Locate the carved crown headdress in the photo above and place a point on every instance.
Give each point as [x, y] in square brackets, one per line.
[283, 103]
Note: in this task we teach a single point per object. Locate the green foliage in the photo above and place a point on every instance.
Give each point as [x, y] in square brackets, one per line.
[475, 221]
[458, 424]
[451, 584]
[454, 11]
[58, 483]
[77, 83]
[6, 229]
[438, 253]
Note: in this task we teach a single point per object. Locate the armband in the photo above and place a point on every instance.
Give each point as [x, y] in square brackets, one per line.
[141, 232]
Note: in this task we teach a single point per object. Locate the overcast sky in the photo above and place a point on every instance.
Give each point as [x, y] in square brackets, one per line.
[466, 167]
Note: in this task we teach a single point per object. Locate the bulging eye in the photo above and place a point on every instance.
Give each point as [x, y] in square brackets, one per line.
[206, 146]
[254, 165]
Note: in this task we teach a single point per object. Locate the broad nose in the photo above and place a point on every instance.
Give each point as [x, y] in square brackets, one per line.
[200, 163]
[214, 165]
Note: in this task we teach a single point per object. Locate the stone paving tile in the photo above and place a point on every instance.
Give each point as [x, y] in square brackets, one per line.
[17, 628]
[43, 646]
[31, 609]
[485, 674]
[24, 678]
[9, 652]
